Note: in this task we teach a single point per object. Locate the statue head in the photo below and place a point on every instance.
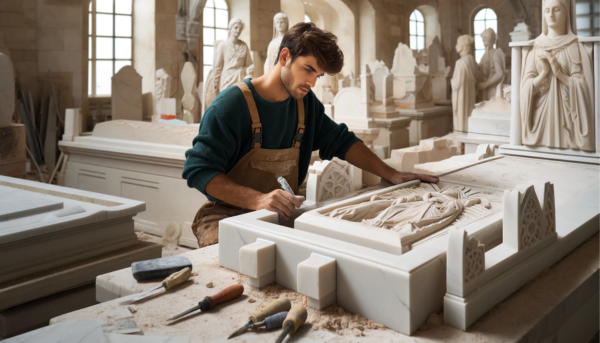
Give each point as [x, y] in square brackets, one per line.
[557, 16]
[488, 36]
[281, 24]
[236, 26]
[464, 44]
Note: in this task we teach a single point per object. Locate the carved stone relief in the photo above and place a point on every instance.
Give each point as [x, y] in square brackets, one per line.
[329, 180]
[474, 260]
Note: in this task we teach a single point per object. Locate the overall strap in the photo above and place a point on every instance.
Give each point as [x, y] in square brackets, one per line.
[300, 131]
[256, 125]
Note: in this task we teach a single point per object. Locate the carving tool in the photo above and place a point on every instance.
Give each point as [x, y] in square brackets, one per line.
[294, 320]
[284, 184]
[208, 303]
[171, 281]
[266, 316]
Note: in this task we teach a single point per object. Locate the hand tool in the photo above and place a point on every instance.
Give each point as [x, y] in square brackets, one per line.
[171, 281]
[278, 306]
[159, 268]
[270, 323]
[284, 184]
[208, 303]
[294, 320]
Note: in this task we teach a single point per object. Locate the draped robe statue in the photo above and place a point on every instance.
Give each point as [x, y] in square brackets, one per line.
[557, 100]
[281, 25]
[463, 84]
[233, 60]
[491, 67]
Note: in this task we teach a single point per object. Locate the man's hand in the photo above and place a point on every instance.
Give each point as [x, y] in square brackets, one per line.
[279, 201]
[401, 177]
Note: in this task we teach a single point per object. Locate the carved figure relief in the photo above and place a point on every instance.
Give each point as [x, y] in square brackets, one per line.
[233, 61]
[557, 84]
[492, 68]
[463, 84]
[281, 25]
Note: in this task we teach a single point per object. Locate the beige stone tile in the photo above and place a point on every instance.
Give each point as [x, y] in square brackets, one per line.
[166, 6]
[25, 66]
[73, 40]
[50, 39]
[19, 38]
[59, 61]
[60, 16]
[15, 19]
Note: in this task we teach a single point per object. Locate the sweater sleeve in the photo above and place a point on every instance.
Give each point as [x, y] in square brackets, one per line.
[331, 139]
[213, 147]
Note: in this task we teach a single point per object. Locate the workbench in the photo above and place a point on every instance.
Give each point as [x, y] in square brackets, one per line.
[560, 305]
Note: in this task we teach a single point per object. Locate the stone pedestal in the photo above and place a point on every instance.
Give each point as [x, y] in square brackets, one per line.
[435, 121]
[393, 133]
[12, 151]
[413, 91]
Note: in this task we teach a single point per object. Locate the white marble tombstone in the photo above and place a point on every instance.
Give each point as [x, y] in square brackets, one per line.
[438, 71]
[233, 61]
[7, 91]
[379, 70]
[412, 86]
[492, 68]
[188, 80]
[463, 84]
[127, 94]
[281, 24]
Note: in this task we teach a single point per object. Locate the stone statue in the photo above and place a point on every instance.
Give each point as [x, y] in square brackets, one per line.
[209, 86]
[233, 61]
[281, 25]
[163, 85]
[463, 84]
[491, 67]
[188, 80]
[557, 84]
[7, 91]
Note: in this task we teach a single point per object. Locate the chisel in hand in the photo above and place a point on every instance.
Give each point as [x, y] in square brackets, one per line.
[294, 320]
[208, 303]
[278, 306]
[171, 281]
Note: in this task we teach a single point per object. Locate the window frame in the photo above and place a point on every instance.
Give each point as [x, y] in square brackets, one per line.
[416, 34]
[477, 36]
[214, 28]
[592, 31]
[92, 36]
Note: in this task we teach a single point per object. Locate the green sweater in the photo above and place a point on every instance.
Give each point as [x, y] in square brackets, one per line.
[225, 134]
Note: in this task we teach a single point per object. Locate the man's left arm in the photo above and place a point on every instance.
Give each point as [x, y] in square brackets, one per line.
[362, 157]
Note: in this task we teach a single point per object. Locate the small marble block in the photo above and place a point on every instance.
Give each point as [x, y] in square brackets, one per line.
[257, 261]
[317, 280]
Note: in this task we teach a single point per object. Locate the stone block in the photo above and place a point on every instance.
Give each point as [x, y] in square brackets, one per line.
[317, 280]
[257, 261]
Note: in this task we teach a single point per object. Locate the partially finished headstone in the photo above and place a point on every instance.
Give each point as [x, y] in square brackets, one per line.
[127, 94]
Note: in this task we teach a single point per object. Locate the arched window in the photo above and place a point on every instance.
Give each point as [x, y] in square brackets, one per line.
[486, 18]
[588, 17]
[307, 19]
[110, 42]
[215, 22]
[417, 30]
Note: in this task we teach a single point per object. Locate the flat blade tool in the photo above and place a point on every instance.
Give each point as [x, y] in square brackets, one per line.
[171, 281]
[294, 320]
[277, 307]
[208, 303]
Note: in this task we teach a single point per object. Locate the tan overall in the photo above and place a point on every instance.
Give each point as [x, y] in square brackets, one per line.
[256, 170]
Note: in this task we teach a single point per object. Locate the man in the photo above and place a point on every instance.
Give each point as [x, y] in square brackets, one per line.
[269, 126]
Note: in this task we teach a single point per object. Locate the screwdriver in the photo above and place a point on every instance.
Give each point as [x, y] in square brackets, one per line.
[278, 306]
[171, 281]
[208, 303]
[294, 320]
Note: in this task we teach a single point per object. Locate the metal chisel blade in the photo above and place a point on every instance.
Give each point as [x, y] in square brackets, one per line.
[241, 330]
[184, 313]
[148, 294]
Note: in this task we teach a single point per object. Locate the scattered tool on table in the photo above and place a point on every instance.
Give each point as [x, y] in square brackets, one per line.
[208, 303]
[294, 320]
[159, 268]
[171, 281]
[267, 316]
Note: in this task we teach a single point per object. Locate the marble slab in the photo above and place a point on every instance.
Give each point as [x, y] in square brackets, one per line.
[75, 331]
[13, 207]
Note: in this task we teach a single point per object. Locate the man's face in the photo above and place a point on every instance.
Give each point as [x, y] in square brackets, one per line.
[298, 77]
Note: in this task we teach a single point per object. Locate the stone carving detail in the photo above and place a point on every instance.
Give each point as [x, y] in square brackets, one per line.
[329, 180]
[412, 85]
[187, 22]
[530, 221]
[233, 61]
[209, 94]
[556, 97]
[188, 80]
[549, 209]
[492, 68]
[7, 90]
[474, 260]
[463, 84]
[281, 24]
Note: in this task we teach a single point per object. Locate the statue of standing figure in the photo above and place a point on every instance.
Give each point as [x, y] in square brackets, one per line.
[557, 105]
[281, 25]
[463, 84]
[491, 67]
[233, 61]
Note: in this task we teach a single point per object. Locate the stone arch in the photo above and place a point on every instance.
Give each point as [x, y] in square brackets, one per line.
[432, 23]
